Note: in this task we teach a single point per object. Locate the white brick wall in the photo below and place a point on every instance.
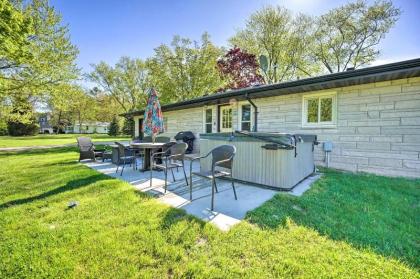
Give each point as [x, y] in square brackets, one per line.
[378, 125]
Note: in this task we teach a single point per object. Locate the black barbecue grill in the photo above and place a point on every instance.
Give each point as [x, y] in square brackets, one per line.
[187, 137]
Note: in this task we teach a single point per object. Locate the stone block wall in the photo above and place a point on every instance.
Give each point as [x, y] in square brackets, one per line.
[377, 129]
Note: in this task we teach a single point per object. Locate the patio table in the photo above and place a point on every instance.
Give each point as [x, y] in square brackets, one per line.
[148, 147]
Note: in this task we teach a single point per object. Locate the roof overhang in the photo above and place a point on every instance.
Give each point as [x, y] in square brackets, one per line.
[393, 71]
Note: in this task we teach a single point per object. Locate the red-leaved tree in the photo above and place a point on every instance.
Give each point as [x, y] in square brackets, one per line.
[240, 69]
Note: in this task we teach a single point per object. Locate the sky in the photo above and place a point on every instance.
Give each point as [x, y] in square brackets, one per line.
[105, 30]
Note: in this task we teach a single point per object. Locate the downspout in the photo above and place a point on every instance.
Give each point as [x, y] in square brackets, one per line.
[255, 128]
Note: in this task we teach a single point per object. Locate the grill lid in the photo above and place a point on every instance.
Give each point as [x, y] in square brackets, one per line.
[185, 135]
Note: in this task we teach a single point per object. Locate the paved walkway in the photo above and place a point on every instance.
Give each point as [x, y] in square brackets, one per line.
[227, 211]
[23, 148]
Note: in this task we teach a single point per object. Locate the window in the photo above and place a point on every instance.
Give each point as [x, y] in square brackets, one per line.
[246, 117]
[226, 112]
[208, 121]
[319, 110]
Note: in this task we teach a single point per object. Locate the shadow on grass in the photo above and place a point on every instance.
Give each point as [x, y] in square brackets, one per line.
[175, 215]
[367, 211]
[69, 186]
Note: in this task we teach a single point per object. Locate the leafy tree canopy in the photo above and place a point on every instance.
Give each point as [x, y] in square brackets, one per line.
[348, 35]
[126, 82]
[185, 69]
[240, 68]
[36, 54]
[283, 38]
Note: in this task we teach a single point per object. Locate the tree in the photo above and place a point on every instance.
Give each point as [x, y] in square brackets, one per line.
[284, 39]
[83, 107]
[240, 69]
[126, 82]
[185, 69]
[347, 36]
[38, 58]
[113, 127]
[106, 106]
[23, 121]
[15, 28]
[61, 102]
[128, 126]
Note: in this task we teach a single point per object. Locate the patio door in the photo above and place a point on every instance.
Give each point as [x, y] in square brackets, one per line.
[225, 119]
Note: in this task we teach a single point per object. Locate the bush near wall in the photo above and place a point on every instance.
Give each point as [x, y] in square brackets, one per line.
[22, 129]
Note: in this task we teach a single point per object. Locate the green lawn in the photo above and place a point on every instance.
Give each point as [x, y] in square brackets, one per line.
[6, 141]
[345, 226]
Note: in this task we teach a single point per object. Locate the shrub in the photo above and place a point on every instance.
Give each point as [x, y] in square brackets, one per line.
[3, 128]
[113, 127]
[128, 127]
[16, 128]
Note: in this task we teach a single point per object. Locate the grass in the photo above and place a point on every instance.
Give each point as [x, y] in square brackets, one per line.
[118, 232]
[372, 211]
[45, 139]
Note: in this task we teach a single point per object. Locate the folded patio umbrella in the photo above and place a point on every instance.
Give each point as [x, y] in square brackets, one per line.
[153, 118]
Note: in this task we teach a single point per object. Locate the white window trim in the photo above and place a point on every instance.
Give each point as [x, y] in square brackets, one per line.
[330, 124]
[204, 119]
[240, 104]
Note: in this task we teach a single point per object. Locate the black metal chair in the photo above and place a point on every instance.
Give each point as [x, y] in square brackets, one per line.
[172, 157]
[221, 157]
[123, 157]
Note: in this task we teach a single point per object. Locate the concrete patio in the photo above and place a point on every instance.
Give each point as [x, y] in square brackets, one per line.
[227, 211]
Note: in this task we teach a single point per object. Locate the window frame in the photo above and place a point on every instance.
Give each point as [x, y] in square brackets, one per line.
[251, 120]
[319, 96]
[205, 123]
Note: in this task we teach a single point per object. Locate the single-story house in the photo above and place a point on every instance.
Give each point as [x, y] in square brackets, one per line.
[89, 127]
[371, 116]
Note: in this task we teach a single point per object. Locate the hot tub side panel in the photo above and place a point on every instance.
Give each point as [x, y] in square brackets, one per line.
[275, 168]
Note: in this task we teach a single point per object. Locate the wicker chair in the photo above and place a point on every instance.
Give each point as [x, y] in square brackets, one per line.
[87, 149]
[172, 158]
[221, 157]
[147, 139]
[163, 139]
[124, 158]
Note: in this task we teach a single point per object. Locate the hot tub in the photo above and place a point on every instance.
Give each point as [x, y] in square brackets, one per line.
[273, 160]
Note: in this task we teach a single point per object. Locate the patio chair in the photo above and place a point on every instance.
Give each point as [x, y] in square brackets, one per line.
[221, 157]
[147, 139]
[137, 152]
[172, 157]
[87, 149]
[123, 157]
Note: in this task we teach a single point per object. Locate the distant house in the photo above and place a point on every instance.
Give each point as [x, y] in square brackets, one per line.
[88, 127]
[370, 117]
[44, 124]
